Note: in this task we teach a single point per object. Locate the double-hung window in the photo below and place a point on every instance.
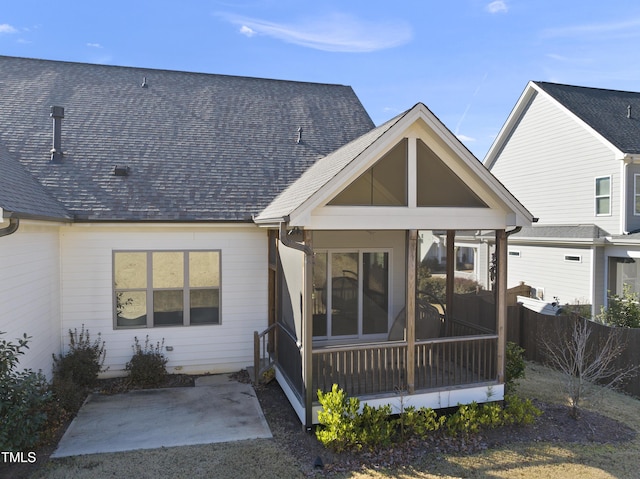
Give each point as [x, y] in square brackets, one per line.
[603, 196]
[636, 195]
[166, 288]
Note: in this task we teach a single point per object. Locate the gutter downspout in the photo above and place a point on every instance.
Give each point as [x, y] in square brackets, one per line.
[14, 223]
[289, 243]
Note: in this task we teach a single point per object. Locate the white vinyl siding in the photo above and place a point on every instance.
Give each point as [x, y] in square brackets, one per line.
[545, 267]
[88, 292]
[549, 164]
[30, 292]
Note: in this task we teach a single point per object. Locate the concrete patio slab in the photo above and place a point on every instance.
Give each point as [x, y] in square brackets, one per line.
[216, 410]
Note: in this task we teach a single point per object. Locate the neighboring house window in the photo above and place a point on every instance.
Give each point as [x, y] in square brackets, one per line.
[603, 195]
[351, 293]
[636, 195]
[166, 288]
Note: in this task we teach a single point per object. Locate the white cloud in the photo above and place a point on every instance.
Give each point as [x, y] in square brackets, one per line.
[6, 28]
[94, 45]
[497, 6]
[334, 33]
[625, 27]
[245, 30]
[464, 138]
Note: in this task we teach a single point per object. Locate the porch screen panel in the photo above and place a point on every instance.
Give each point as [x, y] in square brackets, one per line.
[320, 295]
[344, 294]
[375, 301]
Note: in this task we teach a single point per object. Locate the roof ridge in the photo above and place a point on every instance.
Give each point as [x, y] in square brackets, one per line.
[165, 70]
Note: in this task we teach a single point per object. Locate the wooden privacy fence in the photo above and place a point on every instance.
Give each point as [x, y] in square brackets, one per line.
[530, 329]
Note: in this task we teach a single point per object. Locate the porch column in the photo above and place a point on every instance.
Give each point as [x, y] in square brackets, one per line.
[412, 253]
[307, 331]
[501, 301]
[451, 271]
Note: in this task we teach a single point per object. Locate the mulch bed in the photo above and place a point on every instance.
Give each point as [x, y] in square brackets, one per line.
[555, 425]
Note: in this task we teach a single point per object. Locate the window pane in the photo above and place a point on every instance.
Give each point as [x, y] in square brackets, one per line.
[320, 294]
[602, 206]
[344, 294]
[205, 306]
[130, 270]
[131, 308]
[375, 300]
[204, 269]
[168, 308]
[603, 186]
[168, 269]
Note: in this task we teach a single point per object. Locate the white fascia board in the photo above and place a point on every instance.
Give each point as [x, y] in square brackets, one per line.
[402, 218]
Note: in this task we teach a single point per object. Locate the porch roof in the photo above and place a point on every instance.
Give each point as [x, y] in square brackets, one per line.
[333, 173]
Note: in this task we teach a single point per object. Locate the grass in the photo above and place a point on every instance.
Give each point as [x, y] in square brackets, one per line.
[542, 460]
[265, 459]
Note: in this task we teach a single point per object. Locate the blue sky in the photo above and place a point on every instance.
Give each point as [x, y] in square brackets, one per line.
[467, 60]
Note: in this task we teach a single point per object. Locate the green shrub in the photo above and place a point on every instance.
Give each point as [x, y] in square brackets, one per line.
[76, 371]
[338, 419]
[623, 311]
[419, 422]
[374, 429]
[343, 427]
[83, 361]
[519, 411]
[23, 398]
[147, 367]
[515, 366]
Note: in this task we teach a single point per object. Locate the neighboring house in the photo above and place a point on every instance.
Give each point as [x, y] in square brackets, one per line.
[572, 155]
[200, 208]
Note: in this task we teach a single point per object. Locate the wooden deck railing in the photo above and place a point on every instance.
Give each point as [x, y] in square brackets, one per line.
[379, 368]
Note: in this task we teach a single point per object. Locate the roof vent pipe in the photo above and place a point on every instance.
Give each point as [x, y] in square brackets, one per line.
[57, 113]
[299, 138]
[629, 111]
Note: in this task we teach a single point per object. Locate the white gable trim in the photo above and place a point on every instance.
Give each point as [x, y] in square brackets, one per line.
[528, 95]
[418, 122]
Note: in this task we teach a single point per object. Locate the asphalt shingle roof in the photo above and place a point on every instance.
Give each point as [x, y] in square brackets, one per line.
[200, 147]
[20, 193]
[603, 110]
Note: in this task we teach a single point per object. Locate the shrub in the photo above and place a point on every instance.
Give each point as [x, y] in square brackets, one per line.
[84, 360]
[343, 427]
[374, 429]
[23, 398]
[147, 367]
[519, 411]
[515, 366]
[419, 422]
[76, 372]
[338, 419]
[623, 311]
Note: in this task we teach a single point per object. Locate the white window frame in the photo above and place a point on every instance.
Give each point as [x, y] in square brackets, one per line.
[636, 194]
[361, 252]
[597, 197]
[150, 289]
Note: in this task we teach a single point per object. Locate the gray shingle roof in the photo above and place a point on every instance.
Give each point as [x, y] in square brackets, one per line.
[200, 147]
[22, 195]
[321, 173]
[603, 110]
[587, 231]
